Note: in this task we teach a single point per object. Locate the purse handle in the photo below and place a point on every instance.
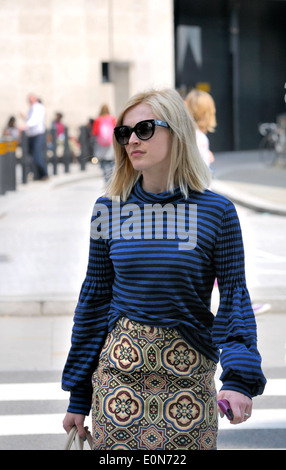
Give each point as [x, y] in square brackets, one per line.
[73, 438]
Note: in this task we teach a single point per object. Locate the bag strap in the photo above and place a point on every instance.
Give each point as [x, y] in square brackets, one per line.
[73, 438]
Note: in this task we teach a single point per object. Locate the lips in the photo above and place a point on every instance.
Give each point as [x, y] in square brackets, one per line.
[136, 153]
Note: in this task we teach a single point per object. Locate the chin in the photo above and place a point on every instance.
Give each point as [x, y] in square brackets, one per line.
[137, 166]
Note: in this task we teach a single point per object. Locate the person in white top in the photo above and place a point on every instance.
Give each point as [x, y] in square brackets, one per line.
[35, 130]
[201, 106]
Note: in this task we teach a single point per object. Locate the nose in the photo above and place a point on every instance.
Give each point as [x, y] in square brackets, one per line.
[133, 138]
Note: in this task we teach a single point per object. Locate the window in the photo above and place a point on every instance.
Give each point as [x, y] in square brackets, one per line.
[105, 75]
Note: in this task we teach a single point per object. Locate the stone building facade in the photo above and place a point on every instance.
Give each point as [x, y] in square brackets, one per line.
[78, 54]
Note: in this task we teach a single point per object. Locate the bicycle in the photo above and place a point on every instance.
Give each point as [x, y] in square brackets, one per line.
[272, 148]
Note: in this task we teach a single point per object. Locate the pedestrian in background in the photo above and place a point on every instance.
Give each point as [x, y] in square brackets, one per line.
[102, 131]
[89, 137]
[11, 130]
[58, 125]
[145, 343]
[36, 133]
[201, 106]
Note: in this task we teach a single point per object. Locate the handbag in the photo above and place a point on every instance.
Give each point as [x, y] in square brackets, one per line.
[74, 439]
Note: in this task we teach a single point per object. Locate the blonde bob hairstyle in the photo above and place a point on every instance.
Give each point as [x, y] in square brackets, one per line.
[201, 106]
[187, 168]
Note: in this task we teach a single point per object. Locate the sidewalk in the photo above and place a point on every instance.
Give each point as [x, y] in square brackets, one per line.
[241, 177]
[44, 229]
[44, 240]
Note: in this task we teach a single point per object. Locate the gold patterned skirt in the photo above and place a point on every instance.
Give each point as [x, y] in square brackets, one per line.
[153, 391]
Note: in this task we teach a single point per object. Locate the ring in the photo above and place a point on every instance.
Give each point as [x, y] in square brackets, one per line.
[246, 415]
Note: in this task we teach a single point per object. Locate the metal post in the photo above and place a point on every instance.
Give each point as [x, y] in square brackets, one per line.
[54, 151]
[7, 166]
[2, 166]
[25, 157]
[66, 155]
[83, 146]
[11, 166]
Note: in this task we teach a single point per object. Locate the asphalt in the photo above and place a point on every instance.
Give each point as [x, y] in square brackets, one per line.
[44, 228]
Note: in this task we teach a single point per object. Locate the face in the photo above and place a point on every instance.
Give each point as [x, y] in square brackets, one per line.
[149, 156]
[32, 99]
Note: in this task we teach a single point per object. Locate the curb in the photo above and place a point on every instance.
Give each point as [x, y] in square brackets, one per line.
[37, 307]
[249, 201]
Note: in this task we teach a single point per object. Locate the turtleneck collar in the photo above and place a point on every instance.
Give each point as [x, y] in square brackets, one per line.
[165, 197]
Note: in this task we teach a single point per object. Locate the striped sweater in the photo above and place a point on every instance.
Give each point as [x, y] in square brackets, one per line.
[157, 271]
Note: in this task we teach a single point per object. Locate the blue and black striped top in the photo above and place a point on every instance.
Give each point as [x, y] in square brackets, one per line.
[141, 267]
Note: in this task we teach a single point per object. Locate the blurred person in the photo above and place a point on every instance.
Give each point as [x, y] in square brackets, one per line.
[59, 126]
[90, 138]
[201, 106]
[36, 133]
[144, 343]
[102, 131]
[11, 130]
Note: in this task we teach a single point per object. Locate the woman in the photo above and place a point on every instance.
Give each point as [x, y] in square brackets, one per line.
[144, 337]
[11, 130]
[201, 106]
[102, 131]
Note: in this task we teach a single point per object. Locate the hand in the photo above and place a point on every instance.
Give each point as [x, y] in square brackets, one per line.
[239, 403]
[211, 157]
[73, 419]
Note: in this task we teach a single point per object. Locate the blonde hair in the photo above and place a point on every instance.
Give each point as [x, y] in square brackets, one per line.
[201, 106]
[187, 169]
[104, 110]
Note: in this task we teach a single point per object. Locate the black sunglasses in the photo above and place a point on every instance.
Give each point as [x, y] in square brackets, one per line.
[143, 129]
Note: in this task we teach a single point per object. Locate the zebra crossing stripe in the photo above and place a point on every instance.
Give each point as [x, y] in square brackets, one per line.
[53, 391]
[40, 424]
[32, 391]
[260, 419]
[23, 425]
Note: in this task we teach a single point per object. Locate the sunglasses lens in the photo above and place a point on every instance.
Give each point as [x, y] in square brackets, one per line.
[145, 130]
[122, 134]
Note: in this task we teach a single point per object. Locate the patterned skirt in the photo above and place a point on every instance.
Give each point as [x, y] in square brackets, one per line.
[153, 391]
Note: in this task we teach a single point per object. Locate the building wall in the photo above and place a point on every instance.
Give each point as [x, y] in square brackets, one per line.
[55, 48]
[235, 48]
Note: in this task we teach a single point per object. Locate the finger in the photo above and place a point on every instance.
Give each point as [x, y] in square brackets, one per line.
[237, 416]
[242, 416]
[67, 428]
[81, 430]
[86, 433]
[67, 425]
[221, 413]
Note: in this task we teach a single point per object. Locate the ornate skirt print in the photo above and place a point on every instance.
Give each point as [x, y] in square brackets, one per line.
[152, 391]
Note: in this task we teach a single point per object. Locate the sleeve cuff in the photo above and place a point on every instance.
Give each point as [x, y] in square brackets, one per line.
[80, 402]
[237, 387]
[250, 389]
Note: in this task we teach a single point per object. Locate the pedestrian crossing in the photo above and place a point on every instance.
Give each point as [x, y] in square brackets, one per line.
[35, 410]
[32, 391]
[32, 408]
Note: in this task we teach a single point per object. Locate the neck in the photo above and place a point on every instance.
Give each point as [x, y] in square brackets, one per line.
[154, 185]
